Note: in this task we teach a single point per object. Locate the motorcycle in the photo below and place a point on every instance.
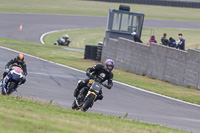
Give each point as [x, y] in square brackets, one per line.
[62, 41]
[87, 95]
[12, 80]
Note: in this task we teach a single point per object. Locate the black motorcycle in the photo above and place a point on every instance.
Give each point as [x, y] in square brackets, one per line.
[63, 41]
[87, 95]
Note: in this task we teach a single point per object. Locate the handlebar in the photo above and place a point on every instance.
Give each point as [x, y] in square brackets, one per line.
[90, 76]
[96, 79]
[14, 65]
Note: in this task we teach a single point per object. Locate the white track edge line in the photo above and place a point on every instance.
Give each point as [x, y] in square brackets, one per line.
[113, 81]
[44, 34]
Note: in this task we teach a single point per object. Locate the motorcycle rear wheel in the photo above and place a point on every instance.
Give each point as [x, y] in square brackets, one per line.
[88, 103]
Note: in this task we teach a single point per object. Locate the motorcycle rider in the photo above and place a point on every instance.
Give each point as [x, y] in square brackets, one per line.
[63, 41]
[101, 71]
[19, 61]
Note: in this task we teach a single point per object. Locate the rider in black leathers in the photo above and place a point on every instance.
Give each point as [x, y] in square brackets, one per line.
[64, 41]
[103, 72]
[19, 61]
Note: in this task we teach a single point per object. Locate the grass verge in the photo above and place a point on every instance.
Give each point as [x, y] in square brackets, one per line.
[75, 59]
[21, 116]
[85, 7]
[83, 37]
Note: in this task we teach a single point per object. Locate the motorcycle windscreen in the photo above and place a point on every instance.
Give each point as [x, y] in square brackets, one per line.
[96, 86]
[16, 76]
[17, 72]
[17, 69]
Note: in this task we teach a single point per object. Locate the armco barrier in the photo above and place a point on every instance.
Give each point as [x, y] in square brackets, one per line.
[173, 3]
[156, 61]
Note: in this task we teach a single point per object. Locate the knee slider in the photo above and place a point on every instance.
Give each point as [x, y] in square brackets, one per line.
[80, 83]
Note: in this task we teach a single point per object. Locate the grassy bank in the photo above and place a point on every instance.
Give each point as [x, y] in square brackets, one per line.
[75, 59]
[19, 115]
[84, 7]
[83, 37]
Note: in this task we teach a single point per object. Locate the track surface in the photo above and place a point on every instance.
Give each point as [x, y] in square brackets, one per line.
[34, 25]
[49, 81]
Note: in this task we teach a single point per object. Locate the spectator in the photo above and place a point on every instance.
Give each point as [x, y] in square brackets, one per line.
[135, 37]
[164, 39]
[181, 42]
[172, 42]
[152, 40]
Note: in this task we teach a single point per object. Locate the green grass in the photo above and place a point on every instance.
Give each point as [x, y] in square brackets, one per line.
[90, 37]
[83, 37]
[190, 36]
[19, 115]
[75, 59]
[79, 38]
[84, 7]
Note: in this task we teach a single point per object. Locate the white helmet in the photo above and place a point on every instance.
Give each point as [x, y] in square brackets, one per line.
[66, 36]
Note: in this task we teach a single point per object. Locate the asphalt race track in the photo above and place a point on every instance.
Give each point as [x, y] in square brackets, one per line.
[50, 81]
[34, 25]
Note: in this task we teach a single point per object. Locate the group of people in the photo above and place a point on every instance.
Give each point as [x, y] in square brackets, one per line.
[171, 42]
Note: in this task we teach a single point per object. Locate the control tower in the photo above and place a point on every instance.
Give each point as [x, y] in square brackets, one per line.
[122, 22]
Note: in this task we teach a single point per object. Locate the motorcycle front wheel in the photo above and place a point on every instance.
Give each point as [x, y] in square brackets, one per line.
[74, 105]
[11, 87]
[88, 103]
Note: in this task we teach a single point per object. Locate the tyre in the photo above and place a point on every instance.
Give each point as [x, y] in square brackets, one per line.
[124, 8]
[2, 92]
[86, 56]
[11, 87]
[87, 52]
[88, 103]
[74, 106]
